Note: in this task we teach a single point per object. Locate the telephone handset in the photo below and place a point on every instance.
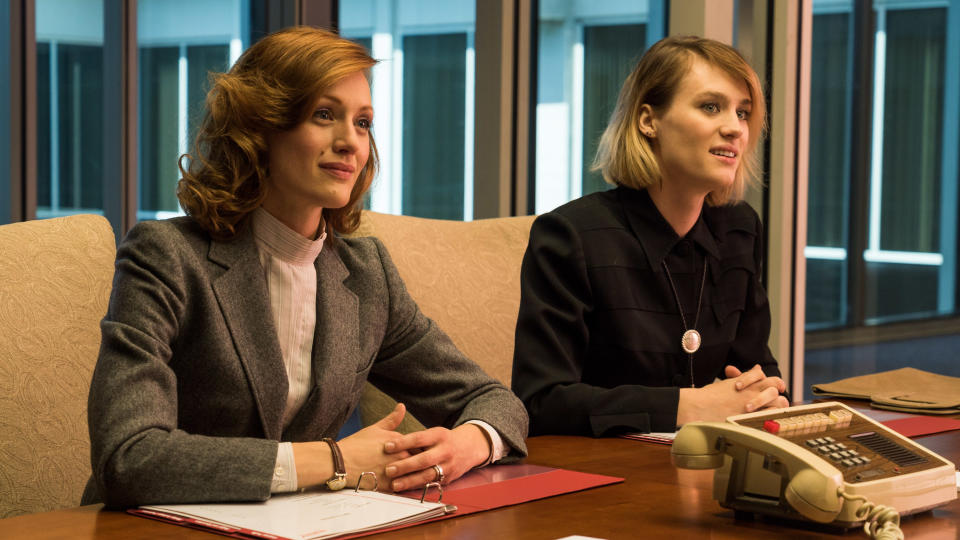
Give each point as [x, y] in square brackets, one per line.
[824, 462]
[813, 488]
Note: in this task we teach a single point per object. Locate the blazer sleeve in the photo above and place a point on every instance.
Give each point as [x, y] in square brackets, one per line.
[420, 366]
[552, 346]
[751, 344]
[138, 454]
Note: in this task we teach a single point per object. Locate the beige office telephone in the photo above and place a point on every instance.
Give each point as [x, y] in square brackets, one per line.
[824, 462]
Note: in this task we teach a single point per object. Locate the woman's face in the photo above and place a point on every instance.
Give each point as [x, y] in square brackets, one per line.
[316, 164]
[701, 136]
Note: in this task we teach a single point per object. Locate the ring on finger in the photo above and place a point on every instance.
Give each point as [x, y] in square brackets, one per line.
[439, 471]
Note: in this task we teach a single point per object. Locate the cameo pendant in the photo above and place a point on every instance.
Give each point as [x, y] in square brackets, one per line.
[690, 341]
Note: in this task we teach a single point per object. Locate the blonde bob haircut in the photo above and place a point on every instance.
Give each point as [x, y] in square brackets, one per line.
[626, 157]
[272, 88]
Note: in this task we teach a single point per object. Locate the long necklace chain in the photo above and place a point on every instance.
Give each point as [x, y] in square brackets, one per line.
[691, 339]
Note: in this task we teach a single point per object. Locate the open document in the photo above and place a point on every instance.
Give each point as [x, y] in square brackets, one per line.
[325, 514]
[315, 515]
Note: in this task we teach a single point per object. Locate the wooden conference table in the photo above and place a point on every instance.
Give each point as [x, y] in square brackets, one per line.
[656, 500]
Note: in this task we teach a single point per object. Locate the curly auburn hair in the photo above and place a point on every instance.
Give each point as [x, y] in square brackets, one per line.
[271, 88]
[626, 157]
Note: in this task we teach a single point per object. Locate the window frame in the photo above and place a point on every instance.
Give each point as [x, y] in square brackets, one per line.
[863, 218]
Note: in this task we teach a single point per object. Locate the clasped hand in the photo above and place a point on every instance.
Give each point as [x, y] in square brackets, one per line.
[740, 392]
[406, 461]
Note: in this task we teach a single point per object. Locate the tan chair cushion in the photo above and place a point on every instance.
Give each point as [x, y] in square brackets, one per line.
[55, 279]
[463, 275]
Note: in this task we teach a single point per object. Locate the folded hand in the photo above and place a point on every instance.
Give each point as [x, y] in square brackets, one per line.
[456, 451]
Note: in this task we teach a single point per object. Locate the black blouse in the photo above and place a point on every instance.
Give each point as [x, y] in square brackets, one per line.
[598, 334]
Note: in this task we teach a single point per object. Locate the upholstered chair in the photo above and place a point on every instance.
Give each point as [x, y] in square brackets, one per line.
[463, 275]
[55, 278]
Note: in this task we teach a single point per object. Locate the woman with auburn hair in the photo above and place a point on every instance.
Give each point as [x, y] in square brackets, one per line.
[239, 337]
[636, 300]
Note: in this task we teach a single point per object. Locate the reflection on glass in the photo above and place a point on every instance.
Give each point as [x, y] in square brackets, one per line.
[829, 191]
[584, 52]
[181, 42]
[904, 250]
[434, 80]
[69, 36]
[911, 242]
[606, 63]
[910, 227]
[423, 92]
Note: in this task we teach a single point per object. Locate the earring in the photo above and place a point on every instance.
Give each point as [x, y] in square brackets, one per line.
[649, 134]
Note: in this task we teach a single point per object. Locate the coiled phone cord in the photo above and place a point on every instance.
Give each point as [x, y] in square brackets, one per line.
[880, 522]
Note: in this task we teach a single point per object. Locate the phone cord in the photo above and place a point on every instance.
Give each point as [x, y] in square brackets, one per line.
[880, 522]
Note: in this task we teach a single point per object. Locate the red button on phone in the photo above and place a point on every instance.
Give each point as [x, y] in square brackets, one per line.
[771, 426]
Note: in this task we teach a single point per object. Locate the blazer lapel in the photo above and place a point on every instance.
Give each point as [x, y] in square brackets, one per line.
[242, 294]
[336, 349]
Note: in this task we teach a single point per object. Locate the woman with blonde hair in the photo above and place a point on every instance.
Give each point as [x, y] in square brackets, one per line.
[636, 300]
[239, 337]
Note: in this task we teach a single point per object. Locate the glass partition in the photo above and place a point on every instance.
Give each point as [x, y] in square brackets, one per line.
[423, 92]
[180, 43]
[584, 52]
[882, 239]
[69, 41]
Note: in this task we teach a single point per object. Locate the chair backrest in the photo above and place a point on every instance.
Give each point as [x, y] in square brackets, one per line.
[55, 279]
[463, 275]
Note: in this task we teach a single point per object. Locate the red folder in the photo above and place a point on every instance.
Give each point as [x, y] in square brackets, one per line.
[505, 485]
[916, 426]
[497, 486]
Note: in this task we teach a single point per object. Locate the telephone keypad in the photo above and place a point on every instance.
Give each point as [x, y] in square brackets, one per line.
[838, 452]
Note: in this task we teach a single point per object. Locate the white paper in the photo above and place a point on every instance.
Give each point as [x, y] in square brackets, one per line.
[317, 515]
[657, 437]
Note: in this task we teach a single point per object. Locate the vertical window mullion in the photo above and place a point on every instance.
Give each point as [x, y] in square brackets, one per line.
[7, 106]
[862, 113]
[54, 128]
[468, 126]
[576, 115]
[22, 160]
[876, 133]
[120, 114]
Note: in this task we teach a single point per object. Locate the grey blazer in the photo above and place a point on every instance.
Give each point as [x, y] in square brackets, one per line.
[187, 397]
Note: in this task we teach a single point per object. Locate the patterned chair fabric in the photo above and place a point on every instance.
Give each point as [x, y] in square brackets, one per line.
[55, 278]
[463, 275]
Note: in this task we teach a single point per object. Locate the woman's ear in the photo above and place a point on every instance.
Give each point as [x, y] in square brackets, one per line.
[647, 121]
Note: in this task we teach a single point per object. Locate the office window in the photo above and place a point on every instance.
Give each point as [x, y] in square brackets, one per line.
[69, 36]
[6, 204]
[829, 193]
[180, 43]
[434, 79]
[882, 237]
[423, 93]
[584, 52]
